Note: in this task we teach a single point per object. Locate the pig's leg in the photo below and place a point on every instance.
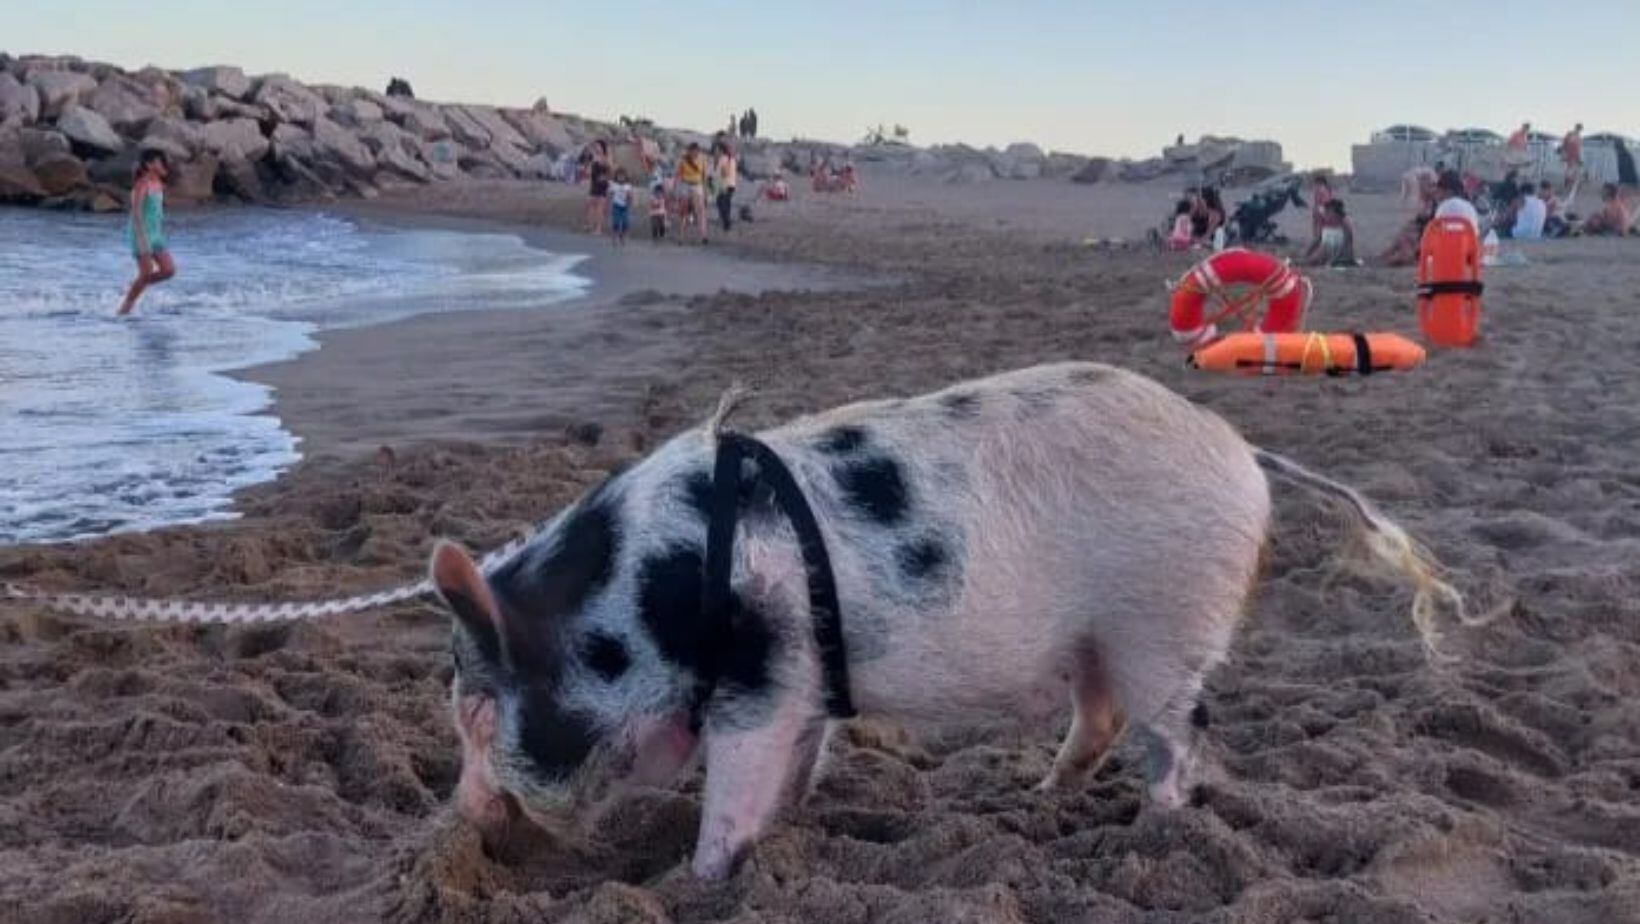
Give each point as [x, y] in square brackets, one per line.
[1096, 723]
[812, 749]
[1158, 694]
[748, 772]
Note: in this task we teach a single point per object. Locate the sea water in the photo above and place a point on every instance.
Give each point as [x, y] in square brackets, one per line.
[109, 425]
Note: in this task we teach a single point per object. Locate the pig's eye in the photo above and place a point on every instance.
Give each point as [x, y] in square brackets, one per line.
[605, 655]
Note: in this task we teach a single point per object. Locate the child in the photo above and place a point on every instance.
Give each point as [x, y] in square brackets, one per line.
[620, 206]
[1336, 244]
[1180, 237]
[657, 211]
[146, 229]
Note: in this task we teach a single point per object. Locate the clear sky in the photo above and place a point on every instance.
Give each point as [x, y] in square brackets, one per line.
[1093, 77]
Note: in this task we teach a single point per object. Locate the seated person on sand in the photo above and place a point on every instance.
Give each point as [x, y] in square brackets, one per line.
[1555, 223]
[776, 190]
[1206, 214]
[1613, 217]
[1531, 213]
[1453, 203]
[849, 179]
[1418, 183]
[1181, 237]
[1335, 245]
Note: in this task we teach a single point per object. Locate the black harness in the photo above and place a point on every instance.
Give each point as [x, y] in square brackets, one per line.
[717, 599]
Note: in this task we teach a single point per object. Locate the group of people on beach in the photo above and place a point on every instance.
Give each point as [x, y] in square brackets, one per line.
[1198, 217]
[675, 198]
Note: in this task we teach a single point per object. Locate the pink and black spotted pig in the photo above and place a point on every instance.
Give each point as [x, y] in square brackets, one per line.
[1069, 531]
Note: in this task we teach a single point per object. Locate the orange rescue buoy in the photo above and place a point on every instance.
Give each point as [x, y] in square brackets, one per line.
[1449, 282]
[1279, 289]
[1308, 354]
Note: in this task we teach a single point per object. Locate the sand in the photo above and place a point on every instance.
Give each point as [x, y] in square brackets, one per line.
[193, 774]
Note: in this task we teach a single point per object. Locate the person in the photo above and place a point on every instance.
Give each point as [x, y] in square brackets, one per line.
[691, 184]
[146, 229]
[1335, 242]
[1181, 237]
[657, 211]
[777, 189]
[1519, 137]
[620, 206]
[598, 188]
[1453, 203]
[1321, 193]
[1530, 215]
[751, 117]
[1207, 214]
[1403, 250]
[1613, 217]
[849, 178]
[1554, 210]
[1571, 154]
[725, 171]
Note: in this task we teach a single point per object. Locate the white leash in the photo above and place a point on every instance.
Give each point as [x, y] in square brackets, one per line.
[115, 607]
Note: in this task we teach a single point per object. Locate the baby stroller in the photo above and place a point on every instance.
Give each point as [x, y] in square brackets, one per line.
[1253, 221]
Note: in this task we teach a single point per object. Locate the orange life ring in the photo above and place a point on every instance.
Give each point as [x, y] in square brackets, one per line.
[1449, 282]
[1308, 354]
[1282, 291]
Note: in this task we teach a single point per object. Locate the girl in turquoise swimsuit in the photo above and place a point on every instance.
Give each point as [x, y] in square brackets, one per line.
[146, 230]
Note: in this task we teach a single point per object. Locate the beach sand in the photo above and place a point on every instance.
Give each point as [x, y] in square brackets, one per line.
[191, 774]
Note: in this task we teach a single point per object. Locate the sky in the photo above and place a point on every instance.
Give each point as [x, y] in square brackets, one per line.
[1118, 79]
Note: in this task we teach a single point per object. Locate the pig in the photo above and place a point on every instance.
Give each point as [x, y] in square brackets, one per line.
[1068, 531]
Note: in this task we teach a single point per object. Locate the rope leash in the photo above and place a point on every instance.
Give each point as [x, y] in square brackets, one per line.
[145, 609]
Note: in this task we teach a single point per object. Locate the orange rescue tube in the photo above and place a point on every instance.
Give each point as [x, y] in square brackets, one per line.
[1281, 291]
[1449, 283]
[1309, 354]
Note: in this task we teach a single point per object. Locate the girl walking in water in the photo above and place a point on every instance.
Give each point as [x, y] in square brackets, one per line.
[146, 230]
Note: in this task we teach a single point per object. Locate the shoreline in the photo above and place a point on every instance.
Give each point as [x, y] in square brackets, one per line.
[333, 398]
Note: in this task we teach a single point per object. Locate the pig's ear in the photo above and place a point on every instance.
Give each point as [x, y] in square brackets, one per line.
[467, 594]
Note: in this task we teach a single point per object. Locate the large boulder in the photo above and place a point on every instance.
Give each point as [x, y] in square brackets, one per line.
[126, 103]
[18, 102]
[38, 144]
[291, 141]
[356, 111]
[425, 122]
[60, 174]
[466, 129]
[240, 179]
[395, 149]
[117, 170]
[1025, 151]
[234, 140]
[759, 165]
[178, 138]
[541, 130]
[1096, 169]
[499, 128]
[289, 101]
[335, 143]
[59, 90]
[515, 160]
[225, 81]
[17, 182]
[194, 181]
[90, 130]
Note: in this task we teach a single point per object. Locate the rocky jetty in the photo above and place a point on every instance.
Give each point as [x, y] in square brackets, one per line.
[71, 130]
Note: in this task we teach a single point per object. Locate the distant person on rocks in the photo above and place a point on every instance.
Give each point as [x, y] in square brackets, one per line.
[725, 174]
[691, 184]
[146, 228]
[598, 187]
[751, 118]
[620, 206]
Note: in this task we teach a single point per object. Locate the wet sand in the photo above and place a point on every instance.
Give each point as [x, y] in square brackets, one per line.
[303, 772]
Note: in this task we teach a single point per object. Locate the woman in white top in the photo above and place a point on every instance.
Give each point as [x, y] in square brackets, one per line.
[725, 171]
